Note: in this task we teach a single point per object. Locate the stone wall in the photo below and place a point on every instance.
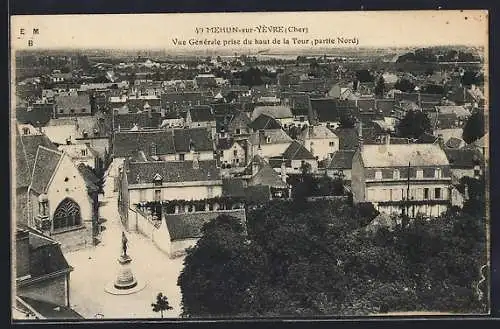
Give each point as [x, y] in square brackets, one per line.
[75, 239]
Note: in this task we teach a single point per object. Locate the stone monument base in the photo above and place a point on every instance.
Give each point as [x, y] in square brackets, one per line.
[125, 283]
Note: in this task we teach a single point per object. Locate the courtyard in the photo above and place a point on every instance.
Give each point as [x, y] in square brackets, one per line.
[95, 267]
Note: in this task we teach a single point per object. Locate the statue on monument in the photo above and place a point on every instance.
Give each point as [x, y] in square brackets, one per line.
[124, 244]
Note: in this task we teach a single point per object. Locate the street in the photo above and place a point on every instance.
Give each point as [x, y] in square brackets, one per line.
[96, 266]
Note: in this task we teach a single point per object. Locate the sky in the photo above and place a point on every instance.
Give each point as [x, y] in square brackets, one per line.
[157, 31]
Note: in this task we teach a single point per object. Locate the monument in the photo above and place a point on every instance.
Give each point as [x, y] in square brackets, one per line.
[125, 283]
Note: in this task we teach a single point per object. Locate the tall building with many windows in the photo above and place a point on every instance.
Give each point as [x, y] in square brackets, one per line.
[402, 178]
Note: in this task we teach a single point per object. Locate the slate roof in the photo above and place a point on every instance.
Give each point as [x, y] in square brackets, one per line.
[45, 255]
[386, 106]
[276, 136]
[45, 165]
[76, 102]
[51, 311]
[90, 178]
[264, 121]
[127, 143]
[463, 158]
[198, 138]
[258, 194]
[233, 187]
[342, 159]
[23, 170]
[143, 104]
[269, 177]
[239, 119]
[143, 120]
[202, 113]
[225, 109]
[30, 145]
[444, 120]
[325, 109]
[297, 151]
[399, 155]
[172, 171]
[39, 114]
[366, 104]
[431, 98]
[348, 138]
[180, 97]
[317, 132]
[277, 112]
[190, 225]
[413, 97]
[266, 175]
[299, 102]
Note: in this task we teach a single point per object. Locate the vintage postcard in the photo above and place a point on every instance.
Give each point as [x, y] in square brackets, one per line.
[250, 165]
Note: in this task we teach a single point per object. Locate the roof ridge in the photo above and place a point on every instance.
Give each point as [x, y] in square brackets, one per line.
[33, 169]
[47, 149]
[24, 150]
[297, 149]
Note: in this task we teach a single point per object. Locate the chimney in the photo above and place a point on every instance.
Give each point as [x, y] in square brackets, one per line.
[283, 171]
[360, 135]
[196, 163]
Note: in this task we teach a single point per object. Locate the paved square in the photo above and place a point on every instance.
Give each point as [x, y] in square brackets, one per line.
[96, 266]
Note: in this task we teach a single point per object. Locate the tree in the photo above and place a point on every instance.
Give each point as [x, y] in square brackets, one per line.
[380, 87]
[404, 85]
[161, 304]
[220, 270]
[474, 127]
[414, 124]
[318, 259]
[252, 77]
[347, 119]
[364, 76]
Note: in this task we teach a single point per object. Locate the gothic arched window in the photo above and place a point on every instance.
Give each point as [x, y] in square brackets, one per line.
[67, 215]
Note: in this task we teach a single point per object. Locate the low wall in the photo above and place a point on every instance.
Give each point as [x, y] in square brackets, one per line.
[179, 247]
[159, 235]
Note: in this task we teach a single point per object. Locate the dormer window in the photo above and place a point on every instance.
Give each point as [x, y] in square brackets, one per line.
[268, 139]
[396, 174]
[378, 174]
[437, 173]
[420, 174]
[26, 131]
[157, 180]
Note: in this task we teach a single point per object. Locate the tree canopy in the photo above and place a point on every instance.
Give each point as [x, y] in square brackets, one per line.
[161, 305]
[319, 259]
[404, 85]
[474, 127]
[413, 125]
[380, 87]
[347, 119]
